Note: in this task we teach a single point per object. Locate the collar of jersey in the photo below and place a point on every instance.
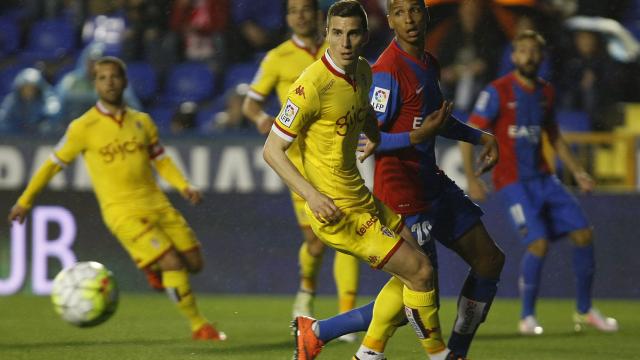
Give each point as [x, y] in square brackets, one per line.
[526, 87]
[420, 62]
[104, 111]
[335, 69]
[299, 43]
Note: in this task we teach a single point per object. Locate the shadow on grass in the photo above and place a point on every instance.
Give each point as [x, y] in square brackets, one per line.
[516, 336]
[60, 344]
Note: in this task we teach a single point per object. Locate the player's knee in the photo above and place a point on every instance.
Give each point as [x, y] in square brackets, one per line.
[582, 237]
[423, 273]
[494, 262]
[315, 247]
[539, 247]
[195, 266]
[170, 261]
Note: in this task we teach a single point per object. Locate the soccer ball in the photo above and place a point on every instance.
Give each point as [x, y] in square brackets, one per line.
[85, 294]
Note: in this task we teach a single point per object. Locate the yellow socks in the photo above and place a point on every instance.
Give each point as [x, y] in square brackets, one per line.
[421, 310]
[388, 314]
[346, 270]
[309, 267]
[176, 284]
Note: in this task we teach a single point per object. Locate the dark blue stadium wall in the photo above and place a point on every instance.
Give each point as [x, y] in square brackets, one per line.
[249, 235]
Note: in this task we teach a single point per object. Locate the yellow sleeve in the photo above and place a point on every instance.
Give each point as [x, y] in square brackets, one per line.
[39, 180]
[301, 108]
[71, 144]
[165, 167]
[265, 79]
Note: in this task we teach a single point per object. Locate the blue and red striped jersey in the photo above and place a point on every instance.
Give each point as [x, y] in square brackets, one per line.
[517, 114]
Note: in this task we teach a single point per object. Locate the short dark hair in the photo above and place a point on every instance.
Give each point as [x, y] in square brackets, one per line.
[315, 4]
[115, 61]
[348, 8]
[531, 35]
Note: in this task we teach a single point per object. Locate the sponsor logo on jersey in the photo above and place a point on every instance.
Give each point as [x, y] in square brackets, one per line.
[369, 223]
[289, 113]
[300, 91]
[531, 133]
[373, 259]
[380, 99]
[119, 149]
[346, 122]
[419, 89]
[417, 121]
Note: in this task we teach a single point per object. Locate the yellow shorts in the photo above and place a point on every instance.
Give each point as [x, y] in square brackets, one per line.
[371, 234]
[298, 208]
[149, 235]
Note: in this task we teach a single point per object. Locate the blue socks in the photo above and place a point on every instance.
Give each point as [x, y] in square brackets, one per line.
[473, 305]
[530, 271]
[355, 320]
[583, 266]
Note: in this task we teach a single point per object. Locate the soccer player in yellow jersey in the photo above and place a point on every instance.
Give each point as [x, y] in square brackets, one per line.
[326, 110]
[120, 146]
[279, 69]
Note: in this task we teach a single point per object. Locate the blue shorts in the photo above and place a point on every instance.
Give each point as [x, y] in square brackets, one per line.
[449, 216]
[542, 208]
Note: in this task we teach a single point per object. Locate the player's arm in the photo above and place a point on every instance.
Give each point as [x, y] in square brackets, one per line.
[263, 84]
[252, 108]
[166, 168]
[275, 155]
[485, 112]
[583, 179]
[67, 149]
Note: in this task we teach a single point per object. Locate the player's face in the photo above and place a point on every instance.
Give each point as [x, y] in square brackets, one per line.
[408, 18]
[302, 17]
[527, 57]
[110, 83]
[346, 36]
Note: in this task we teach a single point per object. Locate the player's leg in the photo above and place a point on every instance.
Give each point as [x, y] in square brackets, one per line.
[184, 257]
[525, 204]
[486, 260]
[566, 217]
[309, 261]
[346, 270]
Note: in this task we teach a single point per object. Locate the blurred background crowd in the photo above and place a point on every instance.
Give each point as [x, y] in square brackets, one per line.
[190, 61]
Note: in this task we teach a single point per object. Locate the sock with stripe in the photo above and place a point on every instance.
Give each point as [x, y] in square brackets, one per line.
[177, 287]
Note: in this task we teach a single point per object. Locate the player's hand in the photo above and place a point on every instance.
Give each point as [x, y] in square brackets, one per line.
[264, 124]
[324, 209]
[366, 147]
[17, 213]
[432, 123]
[477, 189]
[192, 195]
[585, 182]
[489, 155]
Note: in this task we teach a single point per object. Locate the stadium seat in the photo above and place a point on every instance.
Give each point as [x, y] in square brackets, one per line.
[161, 116]
[6, 78]
[143, 80]
[9, 36]
[239, 73]
[190, 81]
[573, 120]
[49, 40]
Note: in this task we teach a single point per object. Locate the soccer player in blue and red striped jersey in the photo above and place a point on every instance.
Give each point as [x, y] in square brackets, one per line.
[411, 112]
[518, 108]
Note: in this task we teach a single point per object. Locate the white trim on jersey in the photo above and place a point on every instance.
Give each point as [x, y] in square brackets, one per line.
[281, 133]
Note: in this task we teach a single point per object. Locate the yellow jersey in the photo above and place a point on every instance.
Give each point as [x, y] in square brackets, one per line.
[118, 153]
[330, 109]
[281, 67]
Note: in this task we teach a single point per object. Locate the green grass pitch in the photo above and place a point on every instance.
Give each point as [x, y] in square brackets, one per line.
[147, 327]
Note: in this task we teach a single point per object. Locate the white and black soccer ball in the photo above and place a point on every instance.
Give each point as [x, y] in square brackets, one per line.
[85, 294]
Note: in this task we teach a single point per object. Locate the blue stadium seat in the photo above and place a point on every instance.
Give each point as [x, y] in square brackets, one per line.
[190, 81]
[9, 36]
[239, 73]
[161, 116]
[143, 80]
[49, 40]
[573, 120]
[6, 78]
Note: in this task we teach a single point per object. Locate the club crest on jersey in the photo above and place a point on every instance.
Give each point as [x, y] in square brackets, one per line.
[380, 99]
[289, 113]
[386, 231]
